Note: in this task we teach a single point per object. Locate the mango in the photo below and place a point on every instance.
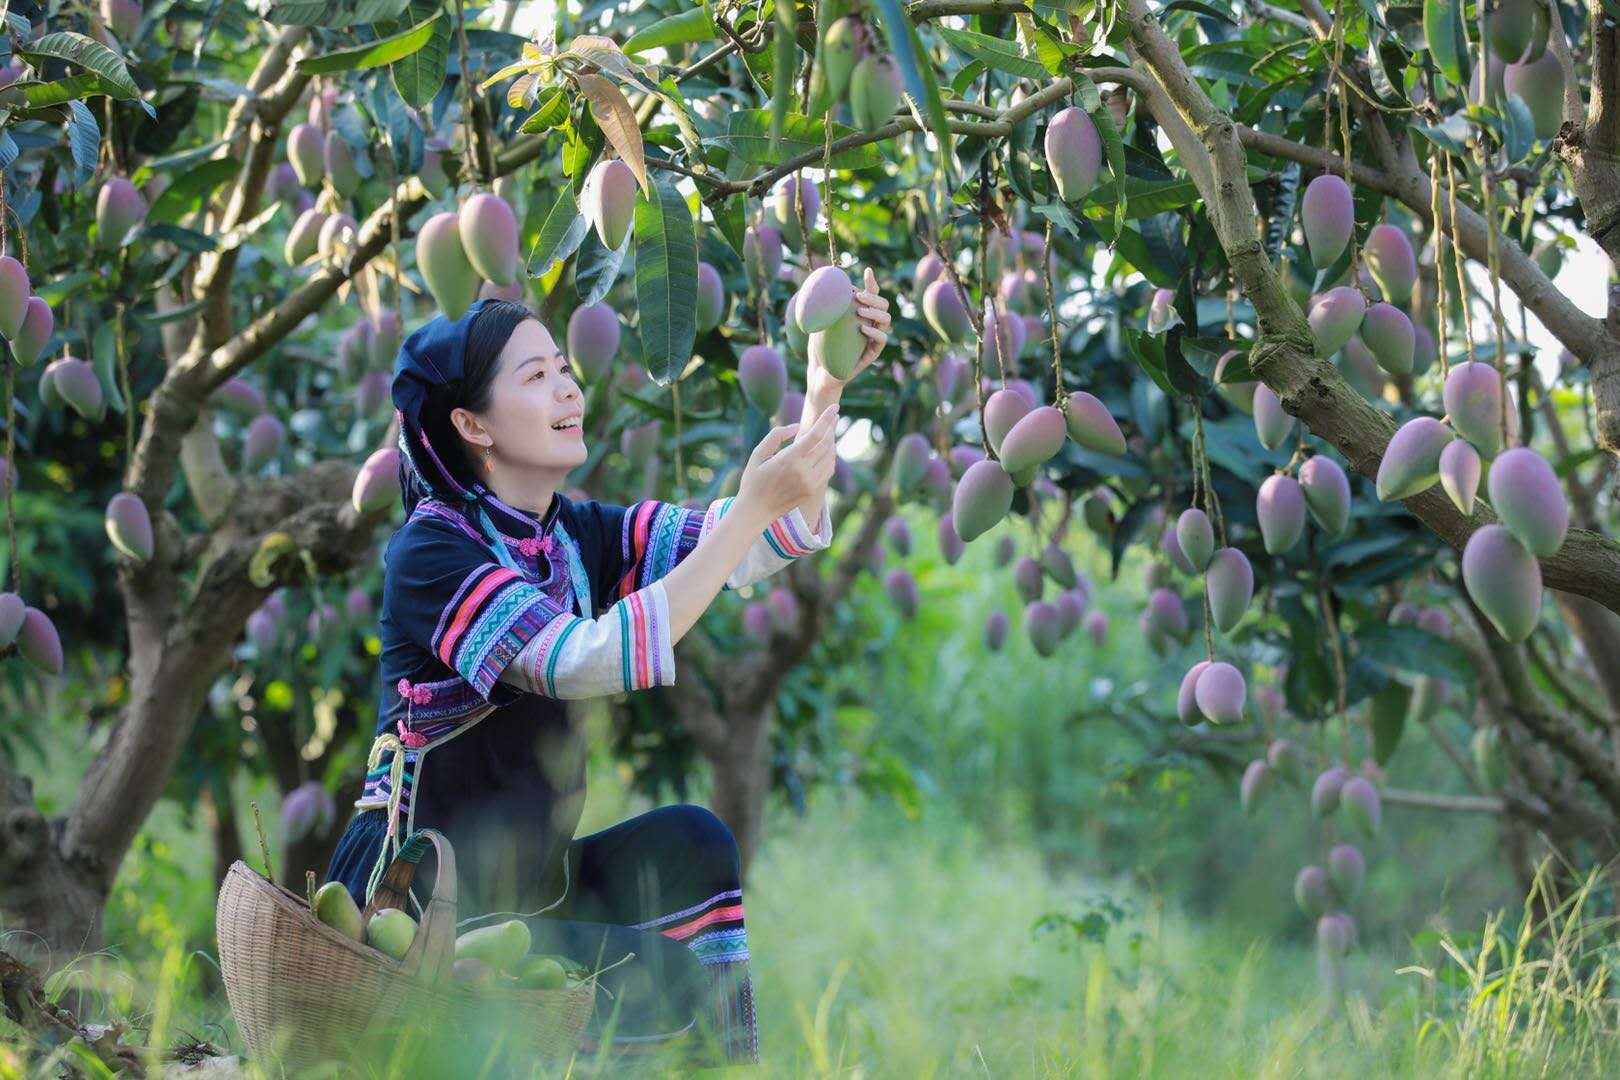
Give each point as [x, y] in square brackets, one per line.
[1097, 628]
[392, 931]
[1257, 781]
[898, 534]
[925, 273]
[28, 344]
[119, 208]
[541, 973]
[376, 484]
[961, 457]
[1327, 493]
[265, 435]
[1220, 693]
[1060, 568]
[1006, 548]
[1091, 425]
[756, 620]
[12, 610]
[1280, 507]
[875, 88]
[38, 642]
[14, 293]
[337, 238]
[1239, 392]
[122, 17]
[1390, 259]
[1411, 461]
[1539, 83]
[1326, 790]
[840, 48]
[936, 482]
[1186, 697]
[1459, 474]
[608, 201]
[304, 238]
[1424, 350]
[945, 311]
[502, 946]
[1033, 440]
[762, 374]
[474, 974]
[593, 339]
[1347, 870]
[1196, 537]
[306, 151]
[1335, 317]
[340, 167]
[1167, 613]
[1162, 312]
[1335, 933]
[1073, 153]
[444, 264]
[950, 545]
[711, 298]
[129, 527]
[1361, 805]
[839, 347]
[1312, 892]
[1004, 337]
[762, 255]
[1028, 579]
[995, 630]
[432, 173]
[1172, 550]
[306, 808]
[489, 235]
[239, 396]
[1504, 579]
[783, 608]
[1328, 214]
[1526, 495]
[911, 456]
[824, 298]
[1473, 400]
[1230, 581]
[787, 199]
[335, 907]
[1002, 411]
[1043, 626]
[1387, 331]
[75, 381]
[982, 498]
[1509, 26]
[901, 589]
[1272, 425]
[1284, 755]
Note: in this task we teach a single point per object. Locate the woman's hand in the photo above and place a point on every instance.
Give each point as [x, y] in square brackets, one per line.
[873, 311]
[775, 480]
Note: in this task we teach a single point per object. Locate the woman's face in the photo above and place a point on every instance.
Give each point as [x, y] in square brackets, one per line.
[536, 412]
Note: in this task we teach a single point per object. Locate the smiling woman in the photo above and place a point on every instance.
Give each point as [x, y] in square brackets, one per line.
[501, 597]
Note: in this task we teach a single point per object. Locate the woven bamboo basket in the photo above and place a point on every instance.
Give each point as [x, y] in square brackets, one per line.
[303, 993]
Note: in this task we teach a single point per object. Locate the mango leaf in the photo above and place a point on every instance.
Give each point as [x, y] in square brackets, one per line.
[1388, 709]
[188, 190]
[84, 140]
[1448, 40]
[1114, 148]
[918, 73]
[333, 13]
[617, 120]
[551, 111]
[680, 29]
[998, 53]
[560, 236]
[1408, 648]
[8, 149]
[40, 95]
[104, 354]
[90, 55]
[596, 268]
[666, 280]
[418, 77]
[748, 135]
[1519, 128]
[372, 54]
[786, 55]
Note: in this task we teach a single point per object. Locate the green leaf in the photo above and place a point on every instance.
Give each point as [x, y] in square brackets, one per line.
[1114, 148]
[596, 268]
[786, 55]
[1519, 132]
[998, 53]
[44, 95]
[104, 354]
[1448, 41]
[918, 73]
[551, 111]
[1408, 648]
[333, 13]
[419, 76]
[560, 236]
[372, 54]
[84, 140]
[681, 29]
[666, 280]
[188, 190]
[748, 135]
[1388, 708]
[90, 55]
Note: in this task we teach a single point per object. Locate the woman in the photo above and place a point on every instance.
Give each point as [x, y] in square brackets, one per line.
[491, 601]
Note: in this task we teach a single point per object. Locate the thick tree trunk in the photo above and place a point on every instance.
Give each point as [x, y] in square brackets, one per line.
[742, 779]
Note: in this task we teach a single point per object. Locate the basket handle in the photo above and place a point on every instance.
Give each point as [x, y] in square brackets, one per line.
[433, 949]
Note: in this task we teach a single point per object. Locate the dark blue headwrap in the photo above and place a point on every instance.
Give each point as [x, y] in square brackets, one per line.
[434, 355]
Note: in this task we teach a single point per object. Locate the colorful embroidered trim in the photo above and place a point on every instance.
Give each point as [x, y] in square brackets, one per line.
[491, 617]
[713, 930]
[657, 536]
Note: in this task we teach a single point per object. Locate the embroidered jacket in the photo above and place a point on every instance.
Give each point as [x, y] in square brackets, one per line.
[584, 614]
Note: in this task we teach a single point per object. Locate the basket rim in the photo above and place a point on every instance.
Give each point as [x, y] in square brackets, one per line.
[297, 906]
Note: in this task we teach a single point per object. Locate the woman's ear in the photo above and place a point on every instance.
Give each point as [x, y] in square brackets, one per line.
[470, 428]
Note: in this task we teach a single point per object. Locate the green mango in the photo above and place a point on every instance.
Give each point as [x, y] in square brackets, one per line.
[502, 946]
[336, 908]
[392, 931]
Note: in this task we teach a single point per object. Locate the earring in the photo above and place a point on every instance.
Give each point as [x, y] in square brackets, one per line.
[489, 460]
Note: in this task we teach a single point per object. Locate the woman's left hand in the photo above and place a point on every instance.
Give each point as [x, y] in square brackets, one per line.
[873, 311]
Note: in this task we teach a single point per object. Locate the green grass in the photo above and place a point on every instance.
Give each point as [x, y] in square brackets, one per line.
[885, 946]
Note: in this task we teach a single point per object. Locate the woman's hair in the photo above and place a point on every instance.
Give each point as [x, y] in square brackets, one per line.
[488, 334]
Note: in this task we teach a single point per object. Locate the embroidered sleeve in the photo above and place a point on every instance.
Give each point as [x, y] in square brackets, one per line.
[626, 648]
[656, 536]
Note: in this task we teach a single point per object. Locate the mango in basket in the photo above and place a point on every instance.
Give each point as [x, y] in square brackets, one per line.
[540, 973]
[501, 946]
[336, 908]
[472, 973]
[391, 930]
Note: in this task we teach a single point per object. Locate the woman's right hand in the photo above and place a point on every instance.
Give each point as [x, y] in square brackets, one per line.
[776, 480]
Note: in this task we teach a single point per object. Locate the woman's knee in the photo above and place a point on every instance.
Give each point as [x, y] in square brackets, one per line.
[698, 827]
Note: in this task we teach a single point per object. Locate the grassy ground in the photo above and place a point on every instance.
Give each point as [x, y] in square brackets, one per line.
[890, 947]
